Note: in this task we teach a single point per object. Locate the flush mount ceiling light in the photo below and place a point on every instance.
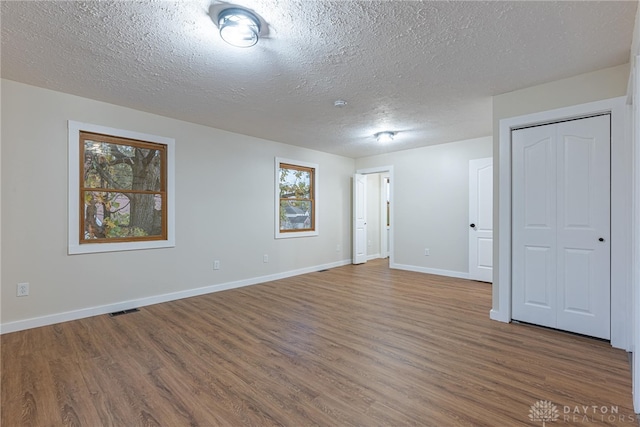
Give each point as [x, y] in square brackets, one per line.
[385, 136]
[239, 27]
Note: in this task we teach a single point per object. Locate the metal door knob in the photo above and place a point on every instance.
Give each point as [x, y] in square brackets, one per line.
[601, 239]
[472, 225]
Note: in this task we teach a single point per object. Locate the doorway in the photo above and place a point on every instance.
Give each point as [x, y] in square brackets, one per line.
[621, 218]
[372, 213]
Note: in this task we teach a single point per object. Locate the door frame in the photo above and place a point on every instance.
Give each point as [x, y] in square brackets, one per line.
[388, 170]
[621, 218]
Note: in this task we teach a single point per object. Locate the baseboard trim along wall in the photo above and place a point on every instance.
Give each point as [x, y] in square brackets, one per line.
[52, 319]
[499, 316]
[436, 271]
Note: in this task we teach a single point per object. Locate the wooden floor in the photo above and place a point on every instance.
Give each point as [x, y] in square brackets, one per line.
[353, 346]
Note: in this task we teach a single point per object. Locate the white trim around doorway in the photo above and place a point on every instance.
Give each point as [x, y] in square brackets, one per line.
[621, 206]
[388, 170]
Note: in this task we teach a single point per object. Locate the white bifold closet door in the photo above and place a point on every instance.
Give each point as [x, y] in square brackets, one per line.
[561, 226]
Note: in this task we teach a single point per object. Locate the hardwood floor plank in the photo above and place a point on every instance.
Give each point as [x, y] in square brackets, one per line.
[353, 346]
[74, 403]
[30, 393]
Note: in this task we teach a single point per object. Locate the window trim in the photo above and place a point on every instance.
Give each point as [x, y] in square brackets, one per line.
[315, 217]
[116, 140]
[74, 246]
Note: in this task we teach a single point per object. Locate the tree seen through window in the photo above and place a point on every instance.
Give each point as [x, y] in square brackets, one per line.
[123, 189]
[297, 204]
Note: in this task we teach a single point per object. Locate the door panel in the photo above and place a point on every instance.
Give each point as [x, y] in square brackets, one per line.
[576, 294]
[359, 219]
[485, 253]
[481, 217]
[534, 226]
[539, 192]
[536, 299]
[575, 180]
[583, 218]
[537, 260]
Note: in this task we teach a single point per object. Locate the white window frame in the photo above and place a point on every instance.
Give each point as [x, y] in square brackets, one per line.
[74, 190]
[316, 180]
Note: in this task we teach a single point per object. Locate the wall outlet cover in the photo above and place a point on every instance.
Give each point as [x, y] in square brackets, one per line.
[22, 290]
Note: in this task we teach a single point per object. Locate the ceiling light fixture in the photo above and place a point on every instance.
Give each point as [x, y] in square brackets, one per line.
[385, 137]
[239, 27]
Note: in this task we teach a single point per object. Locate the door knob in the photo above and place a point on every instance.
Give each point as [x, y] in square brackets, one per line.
[472, 225]
[601, 239]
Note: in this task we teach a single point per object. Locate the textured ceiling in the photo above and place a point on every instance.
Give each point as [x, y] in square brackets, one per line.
[426, 70]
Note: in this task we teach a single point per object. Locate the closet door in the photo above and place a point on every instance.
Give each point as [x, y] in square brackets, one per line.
[561, 226]
[584, 224]
[534, 225]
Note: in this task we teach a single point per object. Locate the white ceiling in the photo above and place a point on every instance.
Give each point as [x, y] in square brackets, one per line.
[426, 70]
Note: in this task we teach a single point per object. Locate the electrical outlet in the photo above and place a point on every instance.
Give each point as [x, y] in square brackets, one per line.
[23, 290]
[265, 258]
[338, 247]
[216, 264]
[426, 252]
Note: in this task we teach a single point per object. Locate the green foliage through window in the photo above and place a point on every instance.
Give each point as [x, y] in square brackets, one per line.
[296, 193]
[123, 189]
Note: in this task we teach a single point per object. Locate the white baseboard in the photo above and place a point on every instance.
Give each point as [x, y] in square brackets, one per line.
[436, 271]
[51, 319]
[498, 316]
[374, 256]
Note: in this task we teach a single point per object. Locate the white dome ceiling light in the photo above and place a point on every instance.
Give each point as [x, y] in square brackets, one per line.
[384, 137]
[239, 27]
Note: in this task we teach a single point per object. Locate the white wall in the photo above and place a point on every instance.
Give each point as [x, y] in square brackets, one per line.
[634, 90]
[584, 88]
[224, 210]
[1, 208]
[431, 198]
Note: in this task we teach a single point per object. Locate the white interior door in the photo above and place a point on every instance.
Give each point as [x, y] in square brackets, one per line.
[385, 224]
[584, 251]
[561, 226]
[534, 225]
[359, 219]
[481, 219]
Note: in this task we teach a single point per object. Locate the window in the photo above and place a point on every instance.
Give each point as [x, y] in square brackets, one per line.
[121, 196]
[296, 199]
[123, 193]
